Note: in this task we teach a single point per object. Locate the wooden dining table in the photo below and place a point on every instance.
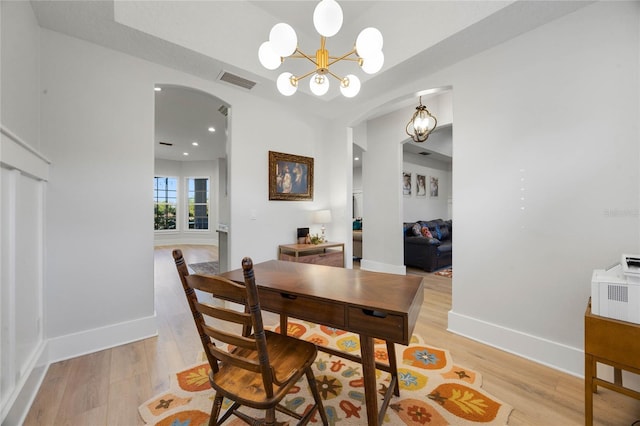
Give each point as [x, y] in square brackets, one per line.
[373, 305]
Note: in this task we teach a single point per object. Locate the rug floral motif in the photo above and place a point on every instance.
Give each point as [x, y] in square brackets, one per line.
[448, 272]
[433, 389]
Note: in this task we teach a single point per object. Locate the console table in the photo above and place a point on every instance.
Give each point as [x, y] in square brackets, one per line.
[329, 254]
[612, 342]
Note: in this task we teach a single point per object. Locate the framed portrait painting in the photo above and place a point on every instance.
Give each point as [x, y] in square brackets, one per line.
[290, 177]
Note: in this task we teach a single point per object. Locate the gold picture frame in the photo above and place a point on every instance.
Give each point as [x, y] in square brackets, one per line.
[290, 177]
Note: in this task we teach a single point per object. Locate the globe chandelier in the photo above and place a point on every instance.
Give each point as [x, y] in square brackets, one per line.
[327, 20]
[422, 123]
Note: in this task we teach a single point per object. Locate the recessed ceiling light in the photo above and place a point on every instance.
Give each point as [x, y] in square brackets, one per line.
[158, 89]
[185, 153]
[194, 143]
[212, 129]
[357, 158]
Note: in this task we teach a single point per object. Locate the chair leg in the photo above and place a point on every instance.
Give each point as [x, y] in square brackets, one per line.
[215, 410]
[270, 418]
[316, 395]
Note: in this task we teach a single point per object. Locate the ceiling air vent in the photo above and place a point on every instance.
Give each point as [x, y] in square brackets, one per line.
[236, 80]
[424, 153]
[165, 143]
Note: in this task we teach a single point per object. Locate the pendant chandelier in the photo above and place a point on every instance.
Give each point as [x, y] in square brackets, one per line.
[327, 19]
[422, 123]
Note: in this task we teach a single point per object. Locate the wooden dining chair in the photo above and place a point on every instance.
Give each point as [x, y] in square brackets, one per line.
[250, 366]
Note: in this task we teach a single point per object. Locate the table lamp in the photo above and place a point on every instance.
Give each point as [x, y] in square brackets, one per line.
[322, 217]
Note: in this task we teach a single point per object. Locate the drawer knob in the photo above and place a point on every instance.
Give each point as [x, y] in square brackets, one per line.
[288, 296]
[372, 313]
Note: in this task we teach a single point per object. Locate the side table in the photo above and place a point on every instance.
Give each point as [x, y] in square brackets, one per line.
[612, 342]
[330, 254]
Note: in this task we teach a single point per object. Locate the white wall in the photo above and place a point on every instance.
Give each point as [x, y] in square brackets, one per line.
[23, 175]
[98, 118]
[20, 67]
[554, 111]
[183, 170]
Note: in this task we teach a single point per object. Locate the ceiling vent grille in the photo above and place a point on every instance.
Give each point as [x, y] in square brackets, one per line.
[424, 153]
[165, 143]
[236, 80]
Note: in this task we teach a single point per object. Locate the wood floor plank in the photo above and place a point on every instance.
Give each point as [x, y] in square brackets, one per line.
[106, 388]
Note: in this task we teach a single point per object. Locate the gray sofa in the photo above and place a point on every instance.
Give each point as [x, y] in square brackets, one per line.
[428, 252]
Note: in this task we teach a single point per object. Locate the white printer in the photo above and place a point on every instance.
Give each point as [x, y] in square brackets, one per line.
[615, 292]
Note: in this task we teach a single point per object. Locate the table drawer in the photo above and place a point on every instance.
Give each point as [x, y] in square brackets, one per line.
[309, 309]
[328, 258]
[377, 324]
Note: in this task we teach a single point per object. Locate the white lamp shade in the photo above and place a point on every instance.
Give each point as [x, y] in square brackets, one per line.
[369, 42]
[373, 63]
[322, 217]
[268, 58]
[350, 86]
[284, 84]
[327, 18]
[283, 39]
[319, 84]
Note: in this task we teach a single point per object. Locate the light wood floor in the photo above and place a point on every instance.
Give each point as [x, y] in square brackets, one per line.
[106, 387]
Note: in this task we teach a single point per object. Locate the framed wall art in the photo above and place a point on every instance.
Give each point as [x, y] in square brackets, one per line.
[433, 186]
[290, 177]
[421, 186]
[406, 184]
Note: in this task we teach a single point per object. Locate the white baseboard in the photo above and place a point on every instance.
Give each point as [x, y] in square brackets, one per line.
[370, 265]
[552, 354]
[97, 339]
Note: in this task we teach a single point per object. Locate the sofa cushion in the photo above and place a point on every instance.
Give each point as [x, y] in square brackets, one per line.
[445, 247]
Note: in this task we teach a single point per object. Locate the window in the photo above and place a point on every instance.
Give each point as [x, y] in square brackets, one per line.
[198, 203]
[165, 197]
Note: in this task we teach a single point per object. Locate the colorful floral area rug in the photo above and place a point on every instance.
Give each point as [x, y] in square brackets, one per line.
[433, 389]
[445, 273]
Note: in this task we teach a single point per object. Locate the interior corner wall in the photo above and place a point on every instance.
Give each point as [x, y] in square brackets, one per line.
[382, 195]
[546, 179]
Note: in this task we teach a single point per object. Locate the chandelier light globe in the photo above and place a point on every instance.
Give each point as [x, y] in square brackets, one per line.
[319, 84]
[327, 18]
[369, 42]
[283, 39]
[350, 86]
[373, 63]
[268, 58]
[287, 84]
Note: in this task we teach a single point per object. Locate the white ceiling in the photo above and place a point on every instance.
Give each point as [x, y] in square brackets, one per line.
[205, 38]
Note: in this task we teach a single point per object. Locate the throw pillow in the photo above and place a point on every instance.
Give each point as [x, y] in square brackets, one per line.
[417, 229]
[438, 234]
[426, 232]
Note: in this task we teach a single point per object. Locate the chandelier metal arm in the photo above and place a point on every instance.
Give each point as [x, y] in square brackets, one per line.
[339, 78]
[306, 75]
[343, 57]
[303, 55]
